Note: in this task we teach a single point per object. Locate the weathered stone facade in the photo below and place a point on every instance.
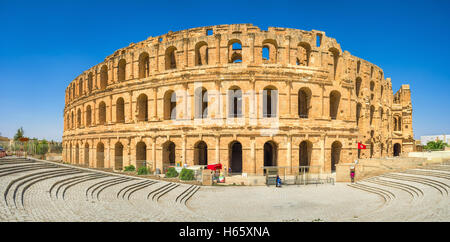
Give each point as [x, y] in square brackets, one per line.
[237, 95]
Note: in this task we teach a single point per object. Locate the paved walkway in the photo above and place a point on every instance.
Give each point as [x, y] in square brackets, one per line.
[34, 190]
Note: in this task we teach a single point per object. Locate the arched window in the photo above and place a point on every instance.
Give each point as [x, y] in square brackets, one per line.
[269, 51]
[120, 110]
[121, 69]
[372, 111]
[88, 115]
[270, 153]
[201, 153]
[100, 155]
[72, 122]
[170, 105]
[103, 77]
[201, 53]
[270, 102]
[358, 86]
[80, 87]
[168, 153]
[335, 55]
[305, 151]
[234, 51]
[118, 156]
[358, 112]
[234, 102]
[372, 86]
[171, 60]
[358, 66]
[303, 54]
[304, 100]
[335, 98]
[102, 113]
[235, 160]
[381, 114]
[201, 103]
[144, 65]
[141, 154]
[336, 148]
[90, 80]
[142, 107]
[79, 118]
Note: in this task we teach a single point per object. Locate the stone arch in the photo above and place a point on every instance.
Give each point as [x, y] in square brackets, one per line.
[170, 58]
[234, 102]
[201, 53]
[358, 86]
[144, 65]
[372, 86]
[335, 55]
[89, 83]
[397, 149]
[80, 87]
[121, 70]
[372, 111]
[358, 66]
[102, 113]
[303, 54]
[235, 51]
[79, 118]
[170, 105]
[358, 112]
[141, 154]
[142, 107]
[304, 101]
[201, 153]
[86, 154]
[335, 98]
[235, 156]
[305, 151]
[118, 156]
[168, 153]
[270, 101]
[120, 110]
[336, 149]
[103, 77]
[272, 49]
[100, 155]
[77, 154]
[88, 115]
[72, 121]
[270, 153]
[201, 102]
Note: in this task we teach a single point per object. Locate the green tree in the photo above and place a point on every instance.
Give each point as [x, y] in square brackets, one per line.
[19, 134]
[435, 145]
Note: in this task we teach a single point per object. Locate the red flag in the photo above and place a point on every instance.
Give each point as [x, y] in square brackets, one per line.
[361, 146]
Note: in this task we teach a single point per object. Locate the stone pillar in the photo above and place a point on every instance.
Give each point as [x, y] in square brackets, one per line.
[186, 49]
[288, 49]
[322, 152]
[253, 153]
[110, 110]
[252, 47]
[183, 149]
[154, 153]
[289, 153]
[217, 48]
[132, 66]
[155, 104]
[156, 46]
[217, 148]
[130, 112]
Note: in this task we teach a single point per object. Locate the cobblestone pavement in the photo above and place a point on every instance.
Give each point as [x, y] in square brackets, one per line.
[35, 190]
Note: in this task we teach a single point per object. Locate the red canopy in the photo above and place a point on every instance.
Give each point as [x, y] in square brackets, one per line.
[214, 167]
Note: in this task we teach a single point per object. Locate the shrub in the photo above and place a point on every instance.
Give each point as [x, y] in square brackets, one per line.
[143, 170]
[187, 174]
[171, 172]
[129, 168]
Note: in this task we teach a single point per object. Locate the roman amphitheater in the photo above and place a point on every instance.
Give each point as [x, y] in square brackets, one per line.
[235, 95]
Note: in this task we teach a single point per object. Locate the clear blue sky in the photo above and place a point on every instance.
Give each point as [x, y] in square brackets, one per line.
[46, 44]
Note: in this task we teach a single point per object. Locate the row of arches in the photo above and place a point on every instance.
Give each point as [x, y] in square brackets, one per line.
[270, 149]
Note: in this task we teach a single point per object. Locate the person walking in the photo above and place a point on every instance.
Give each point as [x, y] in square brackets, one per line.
[278, 181]
[352, 175]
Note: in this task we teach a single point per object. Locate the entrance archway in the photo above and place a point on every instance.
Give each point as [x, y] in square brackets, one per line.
[397, 149]
[86, 154]
[201, 153]
[336, 148]
[100, 155]
[270, 154]
[236, 157]
[141, 154]
[118, 156]
[169, 153]
[305, 150]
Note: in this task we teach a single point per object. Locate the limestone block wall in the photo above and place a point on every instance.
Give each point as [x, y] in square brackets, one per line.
[230, 94]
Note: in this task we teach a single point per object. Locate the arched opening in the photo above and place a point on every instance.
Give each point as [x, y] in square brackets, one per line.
[270, 154]
[372, 111]
[118, 156]
[397, 149]
[103, 77]
[305, 151]
[304, 100]
[90, 80]
[303, 54]
[335, 55]
[144, 65]
[269, 51]
[171, 60]
[88, 115]
[142, 107]
[335, 98]
[372, 86]
[234, 102]
[86, 154]
[201, 102]
[234, 51]
[170, 105]
[120, 110]
[100, 155]
[102, 113]
[358, 86]
[381, 114]
[121, 69]
[358, 66]
[235, 149]
[80, 87]
[270, 102]
[168, 154]
[79, 118]
[141, 154]
[358, 113]
[201, 53]
[77, 154]
[336, 148]
[201, 153]
[72, 122]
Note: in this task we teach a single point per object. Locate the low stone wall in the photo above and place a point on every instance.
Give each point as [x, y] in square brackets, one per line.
[436, 156]
[374, 167]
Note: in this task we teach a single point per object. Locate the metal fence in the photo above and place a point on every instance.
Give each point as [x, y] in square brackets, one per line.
[296, 175]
